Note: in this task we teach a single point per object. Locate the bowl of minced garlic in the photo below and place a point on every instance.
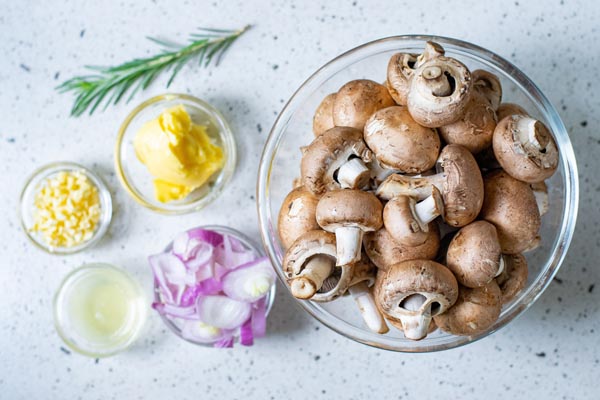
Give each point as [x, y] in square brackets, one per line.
[174, 153]
[65, 208]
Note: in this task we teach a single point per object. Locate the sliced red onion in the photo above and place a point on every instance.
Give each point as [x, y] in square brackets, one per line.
[233, 254]
[223, 312]
[226, 342]
[176, 311]
[173, 269]
[250, 281]
[211, 237]
[259, 317]
[201, 332]
[246, 336]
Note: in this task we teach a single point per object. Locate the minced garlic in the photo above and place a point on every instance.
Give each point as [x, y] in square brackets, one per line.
[67, 209]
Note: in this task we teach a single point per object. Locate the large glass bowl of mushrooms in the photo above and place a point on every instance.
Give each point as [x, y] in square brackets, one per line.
[417, 193]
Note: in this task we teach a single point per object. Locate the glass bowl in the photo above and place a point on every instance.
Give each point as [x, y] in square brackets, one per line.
[280, 165]
[87, 297]
[27, 206]
[134, 175]
[173, 325]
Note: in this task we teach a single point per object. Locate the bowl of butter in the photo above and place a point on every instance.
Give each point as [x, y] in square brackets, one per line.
[175, 153]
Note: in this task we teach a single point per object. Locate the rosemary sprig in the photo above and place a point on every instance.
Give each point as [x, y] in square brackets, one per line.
[112, 83]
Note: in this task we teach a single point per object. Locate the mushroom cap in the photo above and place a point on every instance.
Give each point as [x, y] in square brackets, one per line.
[349, 208]
[475, 129]
[401, 222]
[336, 284]
[396, 323]
[432, 108]
[297, 215]
[514, 277]
[488, 85]
[398, 142]
[463, 187]
[520, 158]
[399, 71]
[474, 312]
[507, 109]
[327, 153]
[384, 251]
[357, 100]
[425, 277]
[363, 270]
[510, 205]
[310, 244]
[323, 119]
[474, 254]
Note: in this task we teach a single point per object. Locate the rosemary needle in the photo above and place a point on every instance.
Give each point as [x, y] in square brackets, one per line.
[109, 84]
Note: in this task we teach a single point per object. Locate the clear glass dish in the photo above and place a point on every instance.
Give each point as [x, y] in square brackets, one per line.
[280, 165]
[83, 332]
[249, 244]
[136, 179]
[27, 206]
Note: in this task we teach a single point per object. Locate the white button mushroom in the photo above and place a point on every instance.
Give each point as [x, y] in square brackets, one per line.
[459, 181]
[384, 251]
[297, 215]
[474, 312]
[357, 100]
[525, 148]
[414, 292]
[336, 159]
[400, 143]
[508, 109]
[309, 261]
[323, 119]
[349, 213]
[510, 205]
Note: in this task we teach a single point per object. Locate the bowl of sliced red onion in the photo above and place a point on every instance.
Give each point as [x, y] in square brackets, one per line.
[213, 286]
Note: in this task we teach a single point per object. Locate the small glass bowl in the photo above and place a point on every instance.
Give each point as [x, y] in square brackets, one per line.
[293, 128]
[81, 281]
[27, 206]
[249, 244]
[134, 175]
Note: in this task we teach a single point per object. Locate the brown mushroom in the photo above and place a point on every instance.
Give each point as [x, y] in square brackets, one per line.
[474, 312]
[357, 100]
[398, 142]
[336, 159]
[488, 85]
[379, 173]
[323, 119]
[474, 254]
[363, 278]
[414, 292]
[439, 90]
[408, 221]
[474, 130]
[525, 148]
[508, 109]
[396, 323]
[349, 213]
[399, 71]
[309, 261]
[514, 277]
[297, 215]
[540, 191]
[459, 181]
[510, 205]
[384, 251]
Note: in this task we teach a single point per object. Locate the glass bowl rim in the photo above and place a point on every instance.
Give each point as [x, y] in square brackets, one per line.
[569, 169]
[226, 135]
[246, 241]
[105, 202]
[61, 332]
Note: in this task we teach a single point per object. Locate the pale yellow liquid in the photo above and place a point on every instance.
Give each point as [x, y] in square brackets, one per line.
[104, 309]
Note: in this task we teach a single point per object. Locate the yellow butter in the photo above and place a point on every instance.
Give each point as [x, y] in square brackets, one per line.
[178, 154]
[66, 209]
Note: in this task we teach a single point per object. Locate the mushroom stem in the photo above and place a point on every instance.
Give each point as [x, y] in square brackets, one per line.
[418, 188]
[349, 243]
[353, 174]
[310, 280]
[415, 324]
[527, 132]
[366, 304]
[438, 82]
[427, 210]
[540, 191]
[501, 266]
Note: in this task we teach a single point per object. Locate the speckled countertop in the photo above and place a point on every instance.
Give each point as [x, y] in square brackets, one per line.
[553, 351]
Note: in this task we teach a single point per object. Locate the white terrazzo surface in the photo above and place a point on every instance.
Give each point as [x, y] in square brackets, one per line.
[553, 351]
